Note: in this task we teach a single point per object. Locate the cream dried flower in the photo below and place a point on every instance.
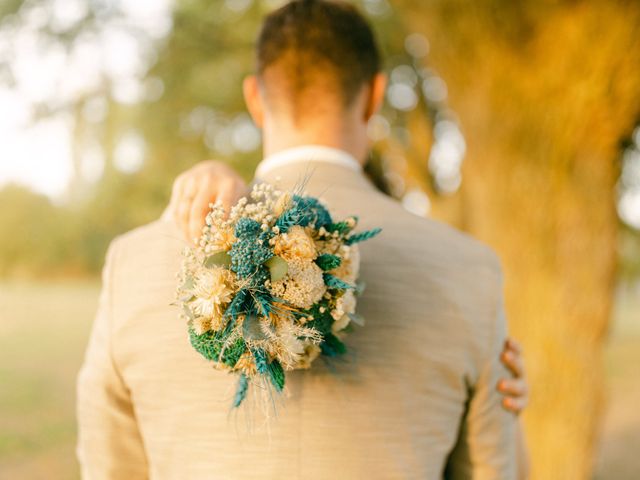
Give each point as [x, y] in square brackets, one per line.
[246, 364]
[311, 352]
[282, 203]
[223, 239]
[201, 325]
[295, 243]
[287, 348]
[213, 289]
[350, 266]
[302, 286]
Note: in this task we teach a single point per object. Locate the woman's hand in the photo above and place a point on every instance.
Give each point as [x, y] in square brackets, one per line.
[206, 182]
[514, 389]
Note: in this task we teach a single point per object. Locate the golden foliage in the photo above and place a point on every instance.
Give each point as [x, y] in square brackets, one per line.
[545, 92]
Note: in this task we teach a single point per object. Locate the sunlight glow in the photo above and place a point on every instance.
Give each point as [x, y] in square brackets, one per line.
[38, 153]
[39, 156]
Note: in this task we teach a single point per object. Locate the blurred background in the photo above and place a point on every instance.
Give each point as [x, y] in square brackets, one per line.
[518, 122]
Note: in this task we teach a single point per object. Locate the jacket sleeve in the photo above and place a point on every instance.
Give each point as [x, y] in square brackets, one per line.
[109, 442]
[487, 444]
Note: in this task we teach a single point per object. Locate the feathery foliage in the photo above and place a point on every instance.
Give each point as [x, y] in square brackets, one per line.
[241, 390]
[336, 283]
[343, 227]
[332, 346]
[327, 261]
[362, 236]
[276, 374]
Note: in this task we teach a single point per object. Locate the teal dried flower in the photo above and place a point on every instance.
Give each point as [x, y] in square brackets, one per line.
[304, 211]
[247, 227]
[248, 254]
[320, 215]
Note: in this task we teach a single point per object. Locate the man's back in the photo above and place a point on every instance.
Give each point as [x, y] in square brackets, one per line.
[418, 380]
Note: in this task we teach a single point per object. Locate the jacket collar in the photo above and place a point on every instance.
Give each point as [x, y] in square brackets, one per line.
[310, 165]
[307, 154]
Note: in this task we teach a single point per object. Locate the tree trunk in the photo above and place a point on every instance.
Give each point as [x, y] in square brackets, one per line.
[545, 92]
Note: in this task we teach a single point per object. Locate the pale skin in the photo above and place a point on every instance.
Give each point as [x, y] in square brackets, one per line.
[332, 125]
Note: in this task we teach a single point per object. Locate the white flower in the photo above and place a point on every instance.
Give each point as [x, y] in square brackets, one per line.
[350, 266]
[345, 306]
[212, 290]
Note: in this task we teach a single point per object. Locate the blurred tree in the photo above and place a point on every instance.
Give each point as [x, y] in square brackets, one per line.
[545, 92]
[27, 243]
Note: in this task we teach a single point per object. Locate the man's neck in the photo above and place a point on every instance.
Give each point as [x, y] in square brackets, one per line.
[278, 138]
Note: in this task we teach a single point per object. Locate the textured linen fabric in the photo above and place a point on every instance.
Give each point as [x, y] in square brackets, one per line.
[414, 398]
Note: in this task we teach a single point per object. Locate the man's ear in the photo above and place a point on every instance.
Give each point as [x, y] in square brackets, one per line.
[376, 95]
[253, 99]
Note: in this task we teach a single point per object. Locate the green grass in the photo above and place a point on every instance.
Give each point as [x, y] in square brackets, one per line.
[618, 458]
[43, 334]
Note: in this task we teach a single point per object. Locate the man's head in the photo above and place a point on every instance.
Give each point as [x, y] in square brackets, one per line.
[317, 63]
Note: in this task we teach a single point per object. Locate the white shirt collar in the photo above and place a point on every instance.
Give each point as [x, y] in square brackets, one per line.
[307, 153]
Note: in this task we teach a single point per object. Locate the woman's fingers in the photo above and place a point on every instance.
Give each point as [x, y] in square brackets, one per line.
[512, 359]
[515, 405]
[513, 387]
[230, 192]
[192, 192]
[212, 188]
[198, 209]
[516, 389]
[514, 345]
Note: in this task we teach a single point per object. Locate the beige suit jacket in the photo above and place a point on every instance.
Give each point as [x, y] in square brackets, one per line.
[414, 398]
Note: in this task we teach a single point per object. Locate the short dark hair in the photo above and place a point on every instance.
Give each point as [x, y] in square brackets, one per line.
[312, 38]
